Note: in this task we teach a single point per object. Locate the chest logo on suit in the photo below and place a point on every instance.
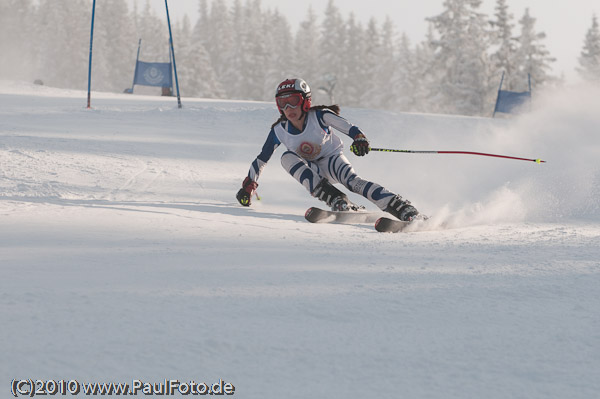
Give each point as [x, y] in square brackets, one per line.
[308, 150]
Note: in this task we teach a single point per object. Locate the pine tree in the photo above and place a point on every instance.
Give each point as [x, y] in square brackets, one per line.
[277, 42]
[195, 73]
[233, 48]
[18, 55]
[201, 28]
[460, 62]
[218, 41]
[387, 65]
[371, 67]
[254, 53]
[589, 61]
[115, 46]
[426, 93]
[503, 58]
[352, 74]
[532, 58]
[62, 44]
[333, 51]
[407, 79]
[306, 54]
[154, 33]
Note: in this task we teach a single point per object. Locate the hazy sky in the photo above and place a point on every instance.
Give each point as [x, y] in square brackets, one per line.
[565, 22]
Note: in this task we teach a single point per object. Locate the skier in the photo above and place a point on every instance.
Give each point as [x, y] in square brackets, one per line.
[314, 154]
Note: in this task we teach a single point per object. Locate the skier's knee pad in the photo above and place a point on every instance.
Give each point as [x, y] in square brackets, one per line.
[293, 164]
[304, 171]
[356, 184]
[289, 159]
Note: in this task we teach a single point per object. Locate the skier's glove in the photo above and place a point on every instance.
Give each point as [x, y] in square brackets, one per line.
[244, 196]
[360, 146]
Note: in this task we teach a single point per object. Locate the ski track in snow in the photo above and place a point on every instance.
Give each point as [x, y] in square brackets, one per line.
[124, 255]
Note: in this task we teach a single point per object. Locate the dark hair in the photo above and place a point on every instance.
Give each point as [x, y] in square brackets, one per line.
[333, 108]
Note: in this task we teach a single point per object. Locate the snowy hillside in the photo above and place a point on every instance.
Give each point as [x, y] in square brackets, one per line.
[124, 255]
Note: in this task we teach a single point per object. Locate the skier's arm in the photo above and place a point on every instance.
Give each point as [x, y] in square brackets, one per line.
[329, 118]
[271, 144]
[360, 146]
[249, 185]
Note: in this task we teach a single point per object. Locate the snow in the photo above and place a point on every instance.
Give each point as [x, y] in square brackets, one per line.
[124, 254]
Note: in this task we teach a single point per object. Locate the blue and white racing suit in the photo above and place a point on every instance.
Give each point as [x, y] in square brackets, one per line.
[315, 153]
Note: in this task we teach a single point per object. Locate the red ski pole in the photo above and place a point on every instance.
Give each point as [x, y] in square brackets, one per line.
[457, 152]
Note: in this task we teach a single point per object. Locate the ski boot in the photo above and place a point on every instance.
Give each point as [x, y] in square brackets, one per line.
[402, 209]
[333, 197]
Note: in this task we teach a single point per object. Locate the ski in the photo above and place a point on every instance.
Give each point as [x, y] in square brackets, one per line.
[317, 215]
[420, 223]
[387, 225]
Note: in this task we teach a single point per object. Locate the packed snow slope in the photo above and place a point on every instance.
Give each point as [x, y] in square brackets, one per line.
[124, 255]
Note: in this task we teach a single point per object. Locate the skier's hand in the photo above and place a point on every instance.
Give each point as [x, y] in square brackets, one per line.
[360, 146]
[244, 196]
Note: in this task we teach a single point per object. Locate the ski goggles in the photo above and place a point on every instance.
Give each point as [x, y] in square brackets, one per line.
[291, 100]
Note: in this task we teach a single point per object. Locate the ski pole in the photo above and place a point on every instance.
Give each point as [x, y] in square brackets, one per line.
[457, 152]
